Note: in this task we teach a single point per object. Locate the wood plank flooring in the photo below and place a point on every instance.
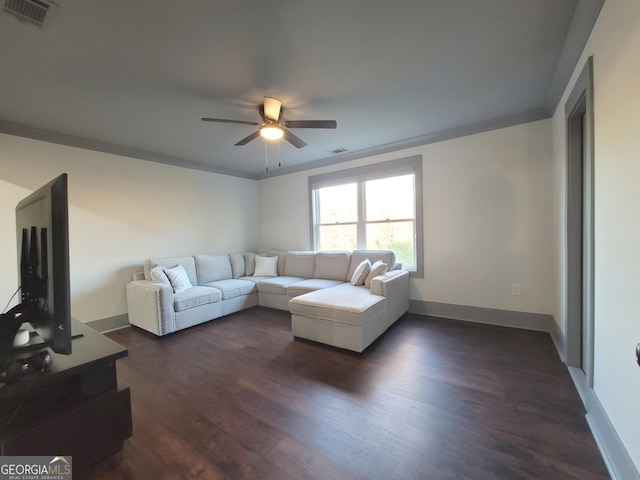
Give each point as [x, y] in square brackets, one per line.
[238, 398]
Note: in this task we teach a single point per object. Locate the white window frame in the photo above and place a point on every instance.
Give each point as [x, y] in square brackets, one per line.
[359, 175]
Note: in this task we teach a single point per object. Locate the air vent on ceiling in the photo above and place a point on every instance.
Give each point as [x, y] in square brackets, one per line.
[32, 11]
[338, 151]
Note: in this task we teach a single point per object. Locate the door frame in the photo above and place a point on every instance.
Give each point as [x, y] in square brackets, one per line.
[580, 231]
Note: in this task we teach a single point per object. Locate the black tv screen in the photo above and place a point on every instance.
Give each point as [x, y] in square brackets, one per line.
[42, 228]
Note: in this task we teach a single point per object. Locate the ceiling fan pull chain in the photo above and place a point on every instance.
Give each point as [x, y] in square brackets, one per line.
[266, 155]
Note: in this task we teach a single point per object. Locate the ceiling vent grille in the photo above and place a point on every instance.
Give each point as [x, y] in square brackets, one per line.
[32, 11]
[338, 151]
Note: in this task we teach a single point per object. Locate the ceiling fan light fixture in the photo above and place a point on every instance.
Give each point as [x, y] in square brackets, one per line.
[272, 128]
[271, 132]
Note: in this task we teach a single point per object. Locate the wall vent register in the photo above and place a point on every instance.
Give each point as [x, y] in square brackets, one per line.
[32, 11]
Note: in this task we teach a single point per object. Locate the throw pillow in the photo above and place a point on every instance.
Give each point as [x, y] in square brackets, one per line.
[178, 277]
[157, 275]
[361, 272]
[378, 268]
[266, 266]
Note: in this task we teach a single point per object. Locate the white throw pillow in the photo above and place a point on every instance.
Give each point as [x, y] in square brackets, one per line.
[157, 275]
[266, 266]
[378, 268]
[178, 277]
[361, 272]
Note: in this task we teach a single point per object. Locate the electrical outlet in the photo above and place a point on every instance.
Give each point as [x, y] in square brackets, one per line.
[516, 289]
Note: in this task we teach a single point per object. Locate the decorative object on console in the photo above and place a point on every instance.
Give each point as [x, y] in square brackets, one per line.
[21, 338]
[10, 323]
[36, 363]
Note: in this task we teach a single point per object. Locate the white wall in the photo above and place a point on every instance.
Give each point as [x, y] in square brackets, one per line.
[614, 44]
[487, 217]
[121, 212]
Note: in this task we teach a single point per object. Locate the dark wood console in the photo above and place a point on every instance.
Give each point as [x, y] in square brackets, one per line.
[75, 408]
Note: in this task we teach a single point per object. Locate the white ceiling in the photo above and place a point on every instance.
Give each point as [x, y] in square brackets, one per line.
[135, 77]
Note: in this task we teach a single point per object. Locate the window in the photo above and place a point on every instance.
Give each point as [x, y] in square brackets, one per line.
[375, 207]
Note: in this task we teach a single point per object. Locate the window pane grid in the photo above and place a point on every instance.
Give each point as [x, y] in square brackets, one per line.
[337, 237]
[399, 220]
[337, 224]
[381, 205]
[396, 236]
[371, 213]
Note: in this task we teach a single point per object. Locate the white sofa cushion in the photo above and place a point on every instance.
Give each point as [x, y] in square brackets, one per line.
[213, 267]
[266, 266]
[194, 297]
[250, 263]
[310, 285]
[232, 288]
[300, 264]
[332, 265]
[238, 265]
[343, 303]
[277, 284]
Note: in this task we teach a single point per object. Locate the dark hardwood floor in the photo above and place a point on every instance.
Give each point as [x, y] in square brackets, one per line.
[238, 398]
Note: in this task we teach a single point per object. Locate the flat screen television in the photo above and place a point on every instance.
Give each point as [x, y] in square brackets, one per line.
[42, 227]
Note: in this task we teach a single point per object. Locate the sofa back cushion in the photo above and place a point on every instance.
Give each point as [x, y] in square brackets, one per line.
[238, 265]
[211, 268]
[300, 264]
[332, 265]
[188, 263]
[249, 263]
[357, 256]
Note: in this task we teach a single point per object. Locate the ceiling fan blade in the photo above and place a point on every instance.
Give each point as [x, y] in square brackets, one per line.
[223, 120]
[246, 140]
[293, 139]
[272, 109]
[311, 124]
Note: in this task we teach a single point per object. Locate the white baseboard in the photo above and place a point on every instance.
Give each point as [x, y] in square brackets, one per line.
[558, 339]
[614, 453]
[618, 460]
[104, 325]
[491, 316]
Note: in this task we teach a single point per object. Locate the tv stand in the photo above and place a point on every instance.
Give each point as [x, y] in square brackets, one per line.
[74, 408]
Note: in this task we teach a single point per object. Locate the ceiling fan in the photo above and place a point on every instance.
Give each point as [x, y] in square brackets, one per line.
[273, 127]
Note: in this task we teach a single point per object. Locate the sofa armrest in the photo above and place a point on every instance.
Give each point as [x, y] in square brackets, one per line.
[150, 306]
[394, 286]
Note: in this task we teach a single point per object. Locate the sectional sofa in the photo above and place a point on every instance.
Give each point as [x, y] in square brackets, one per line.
[339, 298]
